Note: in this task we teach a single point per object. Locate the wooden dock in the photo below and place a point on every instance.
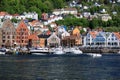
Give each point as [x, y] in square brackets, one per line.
[99, 50]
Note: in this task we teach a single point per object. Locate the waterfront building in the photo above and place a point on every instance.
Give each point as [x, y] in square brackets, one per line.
[68, 41]
[114, 39]
[33, 40]
[64, 34]
[78, 37]
[88, 39]
[22, 33]
[0, 37]
[102, 39]
[43, 40]
[8, 33]
[53, 40]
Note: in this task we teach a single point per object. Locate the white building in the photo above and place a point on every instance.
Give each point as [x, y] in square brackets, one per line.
[65, 11]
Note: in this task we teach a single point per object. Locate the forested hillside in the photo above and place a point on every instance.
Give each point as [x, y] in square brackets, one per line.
[39, 6]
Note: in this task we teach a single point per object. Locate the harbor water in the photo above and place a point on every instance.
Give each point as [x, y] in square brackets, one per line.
[34, 67]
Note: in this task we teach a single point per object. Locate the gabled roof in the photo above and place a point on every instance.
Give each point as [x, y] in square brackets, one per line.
[33, 37]
[76, 31]
[54, 35]
[117, 34]
[35, 23]
[99, 38]
[7, 23]
[43, 36]
[22, 25]
[2, 13]
[93, 34]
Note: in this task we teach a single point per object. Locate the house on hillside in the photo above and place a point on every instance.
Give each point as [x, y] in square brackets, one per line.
[104, 17]
[2, 14]
[65, 11]
[70, 11]
[44, 16]
[35, 24]
[32, 15]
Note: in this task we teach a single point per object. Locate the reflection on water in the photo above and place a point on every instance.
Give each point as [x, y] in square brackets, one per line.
[59, 68]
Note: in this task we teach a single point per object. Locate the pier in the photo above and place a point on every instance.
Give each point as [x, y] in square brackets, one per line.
[100, 49]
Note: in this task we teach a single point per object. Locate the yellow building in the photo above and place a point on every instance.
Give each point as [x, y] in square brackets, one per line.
[78, 39]
[43, 40]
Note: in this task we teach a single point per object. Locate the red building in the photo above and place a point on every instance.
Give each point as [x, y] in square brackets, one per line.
[33, 40]
[22, 33]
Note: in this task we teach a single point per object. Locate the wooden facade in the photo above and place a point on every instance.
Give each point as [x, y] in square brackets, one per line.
[53, 41]
[0, 37]
[43, 40]
[8, 33]
[33, 40]
[68, 41]
[22, 33]
[77, 35]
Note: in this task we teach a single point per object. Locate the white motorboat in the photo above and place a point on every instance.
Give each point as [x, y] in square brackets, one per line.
[118, 52]
[2, 51]
[58, 51]
[39, 51]
[73, 51]
[95, 55]
[76, 51]
[38, 54]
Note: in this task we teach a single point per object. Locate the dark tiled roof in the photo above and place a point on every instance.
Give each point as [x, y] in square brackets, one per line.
[43, 36]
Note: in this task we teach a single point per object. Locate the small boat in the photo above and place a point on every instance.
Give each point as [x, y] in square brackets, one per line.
[38, 54]
[95, 55]
[76, 51]
[73, 51]
[118, 52]
[2, 51]
[39, 51]
[58, 51]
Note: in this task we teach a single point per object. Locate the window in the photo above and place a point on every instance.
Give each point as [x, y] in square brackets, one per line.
[13, 37]
[3, 32]
[3, 41]
[112, 39]
[53, 39]
[3, 36]
[8, 37]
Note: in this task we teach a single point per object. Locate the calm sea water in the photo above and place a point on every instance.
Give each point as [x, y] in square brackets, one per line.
[59, 67]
